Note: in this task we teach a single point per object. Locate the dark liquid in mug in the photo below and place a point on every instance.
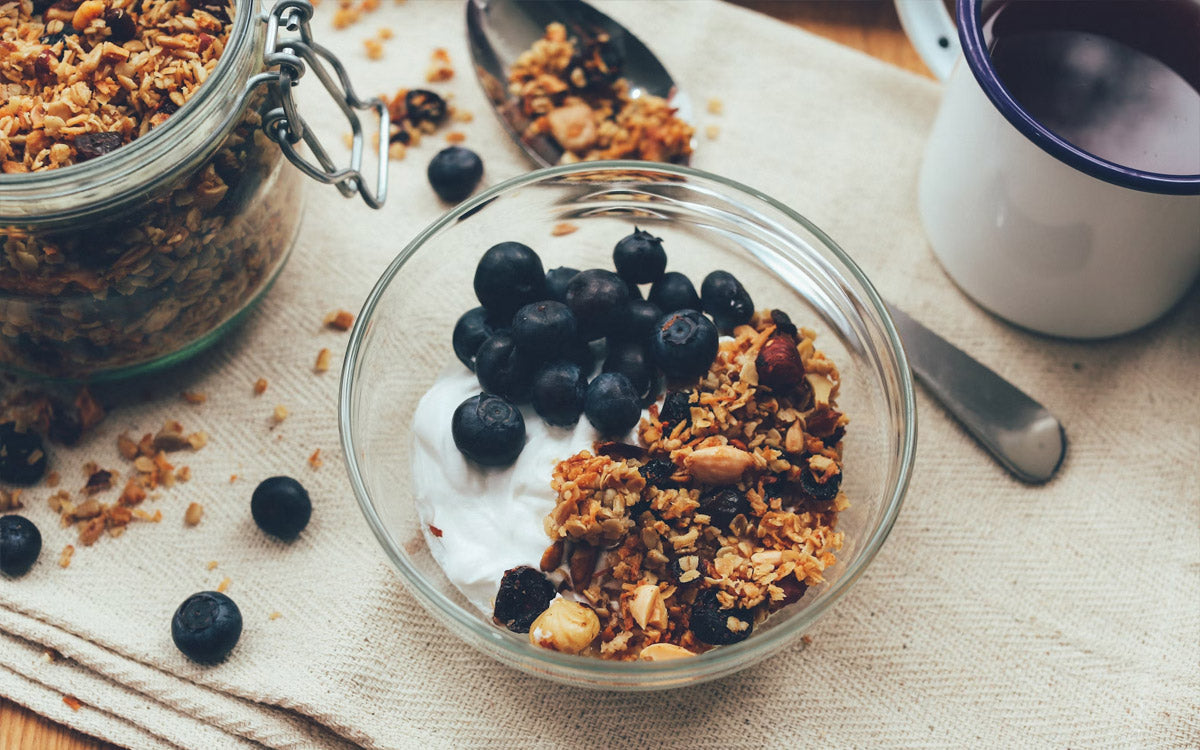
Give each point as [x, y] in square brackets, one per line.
[1119, 79]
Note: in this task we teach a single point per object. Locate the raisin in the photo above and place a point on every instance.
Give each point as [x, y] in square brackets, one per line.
[120, 24]
[657, 472]
[722, 505]
[91, 145]
[52, 39]
[41, 67]
[819, 491]
[676, 408]
[424, 106]
[783, 323]
[710, 624]
[524, 594]
[65, 425]
[22, 456]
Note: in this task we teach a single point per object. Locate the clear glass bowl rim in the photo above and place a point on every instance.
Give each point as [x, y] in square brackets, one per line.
[598, 672]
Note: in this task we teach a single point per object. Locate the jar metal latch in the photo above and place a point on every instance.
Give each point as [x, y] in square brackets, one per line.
[287, 59]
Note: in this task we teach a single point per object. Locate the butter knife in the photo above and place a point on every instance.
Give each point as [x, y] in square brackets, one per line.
[1021, 434]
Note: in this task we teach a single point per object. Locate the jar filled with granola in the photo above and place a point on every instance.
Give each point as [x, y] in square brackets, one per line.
[146, 201]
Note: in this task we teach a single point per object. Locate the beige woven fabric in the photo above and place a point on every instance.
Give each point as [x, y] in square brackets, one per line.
[996, 614]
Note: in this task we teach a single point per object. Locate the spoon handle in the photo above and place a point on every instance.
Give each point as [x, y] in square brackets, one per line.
[1022, 435]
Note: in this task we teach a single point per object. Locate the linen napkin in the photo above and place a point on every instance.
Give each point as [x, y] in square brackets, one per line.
[996, 614]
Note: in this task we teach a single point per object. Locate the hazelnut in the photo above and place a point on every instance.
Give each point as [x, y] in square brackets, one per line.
[722, 464]
[663, 652]
[647, 607]
[778, 363]
[565, 626]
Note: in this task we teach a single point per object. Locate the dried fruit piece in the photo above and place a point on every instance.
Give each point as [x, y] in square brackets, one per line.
[524, 594]
[712, 625]
[92, 145]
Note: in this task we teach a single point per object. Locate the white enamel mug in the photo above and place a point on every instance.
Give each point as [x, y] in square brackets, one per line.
[1034, 229]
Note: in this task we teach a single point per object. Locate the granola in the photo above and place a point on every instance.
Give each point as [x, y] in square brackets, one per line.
[572, 91]
[641, 542]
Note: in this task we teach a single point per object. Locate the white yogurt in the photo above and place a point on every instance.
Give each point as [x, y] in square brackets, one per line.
[490, 518]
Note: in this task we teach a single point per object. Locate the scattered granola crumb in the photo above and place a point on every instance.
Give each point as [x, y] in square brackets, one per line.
[223, 586]
[435, 531]
[260, 386]
[322, 363]
[463, 115]
[184, 473]
[50, 656]
[73, 702]
[397, 151]
[99, 480]
[10, 500]
[385, 32]
[280, 413]
[193, 397]
[90, 412]
[193, 514]
[127, 447]
[340, 320]
[711, 132]
[64, 558]
[807, 639]
[315, 459]
[455, 136]
[440, 69]
[198, 440]
[564, 228]
[274, 615]
[212, 565]
[232, 478]
[52, 479]
[374, 49]
[715, 106]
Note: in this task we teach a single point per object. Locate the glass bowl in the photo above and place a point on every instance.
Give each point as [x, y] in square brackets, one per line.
[401, 342]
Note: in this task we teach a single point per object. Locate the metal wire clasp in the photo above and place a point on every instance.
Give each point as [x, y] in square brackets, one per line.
[286, 60]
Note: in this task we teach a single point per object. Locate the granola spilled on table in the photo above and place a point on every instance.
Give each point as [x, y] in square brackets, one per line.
[572, 91]
[726, 512]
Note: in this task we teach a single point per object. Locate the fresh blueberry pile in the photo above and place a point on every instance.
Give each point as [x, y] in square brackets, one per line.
[537, 335]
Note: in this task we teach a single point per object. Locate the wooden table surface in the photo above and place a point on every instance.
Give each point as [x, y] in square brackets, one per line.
[867, 25]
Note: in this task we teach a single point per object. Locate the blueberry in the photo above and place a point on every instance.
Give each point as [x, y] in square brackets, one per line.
[684, 344]
[22, 455]
[640, 258]
[723, 504]
[640, 322]
[206, 626]
[503, 369]
[559, 390]
[600, 301]
[488, 430]
[454, 173]
[820, 491]
[281, 507]
[612, 406]
[635, 292]
[524, 594]
[631, 360]
[508, 276]
[471, 330]
[677, 407]
[544, 329]
[556, 282]
[709, 623]
[580, 352]
[726, 300]
[674, 292]
[20, 545]
[658, 472]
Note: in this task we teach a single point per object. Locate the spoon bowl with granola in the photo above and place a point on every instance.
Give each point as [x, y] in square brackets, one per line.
[657, 472]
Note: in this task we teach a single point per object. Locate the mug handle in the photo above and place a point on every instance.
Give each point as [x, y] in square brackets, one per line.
[931, 30]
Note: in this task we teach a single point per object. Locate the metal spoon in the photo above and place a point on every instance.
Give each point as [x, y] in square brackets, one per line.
[498, 31]
[1021, 434]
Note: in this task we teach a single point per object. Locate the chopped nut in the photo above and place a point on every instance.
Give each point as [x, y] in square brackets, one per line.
[127, 447]
[170, 438]
[374, 49]
[340, 320]
[280, 413]
[260, 386]
[73, 702]
[822, 387]
[664, 652]
[715, 106]
[322, 363]
[315, 459]
[455, 136]
[212, 565]
[9, 500]
[193, 397]
[64, 558]
[552, 557]
[274, 615]
[647, 607]
[565, 626]
[563, 229]
[91, 531]
[223, 586]
[198, 440]
[722, 464]
[144, 464]
[183, 474]
[193, 514]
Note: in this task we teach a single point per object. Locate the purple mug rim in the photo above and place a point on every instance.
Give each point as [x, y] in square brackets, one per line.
[976, 53]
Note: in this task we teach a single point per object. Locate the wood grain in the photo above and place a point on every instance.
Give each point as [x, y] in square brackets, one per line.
[867, 25]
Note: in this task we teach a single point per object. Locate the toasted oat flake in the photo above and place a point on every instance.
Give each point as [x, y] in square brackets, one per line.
[322, 363]
[563, 229]
[340, 320]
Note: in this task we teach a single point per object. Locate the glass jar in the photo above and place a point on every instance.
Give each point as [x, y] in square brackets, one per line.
[143, 256]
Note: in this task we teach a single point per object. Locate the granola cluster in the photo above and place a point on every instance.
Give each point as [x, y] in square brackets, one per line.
[155, 274]
[572, 91]
[729, 504]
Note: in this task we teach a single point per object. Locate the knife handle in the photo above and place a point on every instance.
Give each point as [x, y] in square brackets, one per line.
[1021, 434]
